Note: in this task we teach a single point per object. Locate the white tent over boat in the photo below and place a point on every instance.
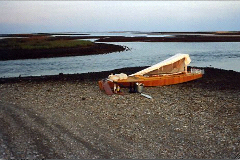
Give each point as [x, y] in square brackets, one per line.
[173, 65]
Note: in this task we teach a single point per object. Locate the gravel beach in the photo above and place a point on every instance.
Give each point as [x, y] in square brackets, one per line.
[70, 118]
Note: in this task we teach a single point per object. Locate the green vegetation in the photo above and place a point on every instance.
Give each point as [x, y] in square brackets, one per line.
[41, 43]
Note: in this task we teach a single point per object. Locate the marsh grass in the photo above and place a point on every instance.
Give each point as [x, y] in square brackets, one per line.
[42, 43]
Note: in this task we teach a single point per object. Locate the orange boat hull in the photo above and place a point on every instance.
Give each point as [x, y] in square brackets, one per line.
[154, 81]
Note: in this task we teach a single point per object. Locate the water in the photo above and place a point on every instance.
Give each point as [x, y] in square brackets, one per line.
[125, 34]
[224, 55]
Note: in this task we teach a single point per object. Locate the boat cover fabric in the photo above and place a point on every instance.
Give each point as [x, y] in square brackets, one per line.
[117, 77]
[175, 64]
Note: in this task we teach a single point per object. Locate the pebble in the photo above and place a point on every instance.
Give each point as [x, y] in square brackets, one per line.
[77, 120]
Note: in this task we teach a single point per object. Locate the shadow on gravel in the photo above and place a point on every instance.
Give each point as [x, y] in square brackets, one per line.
[23, 130]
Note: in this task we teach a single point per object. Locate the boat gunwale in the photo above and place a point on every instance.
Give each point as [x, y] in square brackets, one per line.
[157, 80]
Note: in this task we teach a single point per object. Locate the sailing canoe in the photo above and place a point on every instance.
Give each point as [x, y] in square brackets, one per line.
[168, 72]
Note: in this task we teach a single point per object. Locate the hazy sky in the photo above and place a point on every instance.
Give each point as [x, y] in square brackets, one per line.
[88, 16]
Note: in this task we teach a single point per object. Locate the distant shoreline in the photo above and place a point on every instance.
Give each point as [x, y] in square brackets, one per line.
[101, 48]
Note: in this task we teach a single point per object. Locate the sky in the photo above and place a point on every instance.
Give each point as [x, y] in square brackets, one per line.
[102, 16]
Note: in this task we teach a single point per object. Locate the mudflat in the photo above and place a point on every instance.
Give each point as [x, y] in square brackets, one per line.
[67, 116]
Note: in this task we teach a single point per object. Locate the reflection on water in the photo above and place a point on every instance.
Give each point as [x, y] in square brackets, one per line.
[225, 55]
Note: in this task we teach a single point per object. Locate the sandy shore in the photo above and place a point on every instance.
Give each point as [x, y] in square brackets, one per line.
[67, 116]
